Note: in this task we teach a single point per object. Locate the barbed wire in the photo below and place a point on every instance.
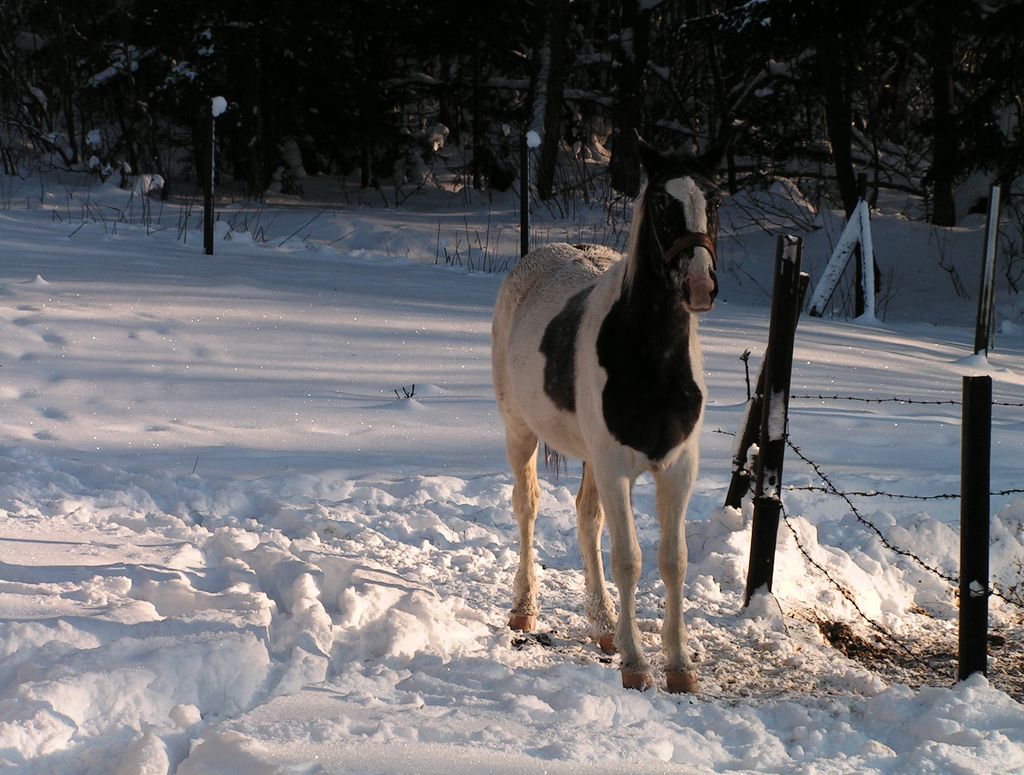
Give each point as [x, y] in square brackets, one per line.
[954, 581]
[882, 493]
[863, 399]
[847, 594]
[875, 493]
[898, 496]
[831, 488]
[895, 400]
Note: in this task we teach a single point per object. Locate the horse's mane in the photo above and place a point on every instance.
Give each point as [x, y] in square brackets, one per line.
[633, 241]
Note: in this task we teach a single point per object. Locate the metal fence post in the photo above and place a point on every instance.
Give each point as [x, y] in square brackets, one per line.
[208, 165]
[975, 453]
[774, 415]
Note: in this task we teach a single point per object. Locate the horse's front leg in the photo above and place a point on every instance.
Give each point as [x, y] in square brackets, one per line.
[673, 493]
[615, 489]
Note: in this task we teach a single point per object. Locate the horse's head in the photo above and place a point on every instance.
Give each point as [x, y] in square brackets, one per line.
[680, 212]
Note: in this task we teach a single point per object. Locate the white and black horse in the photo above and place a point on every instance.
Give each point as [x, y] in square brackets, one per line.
[597, 356]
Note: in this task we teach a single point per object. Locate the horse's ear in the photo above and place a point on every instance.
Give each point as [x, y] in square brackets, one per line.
[652, 160]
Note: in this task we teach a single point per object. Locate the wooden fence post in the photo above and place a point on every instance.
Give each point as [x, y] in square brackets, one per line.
[750, 430]
[739, 485]
[774, 416]
[975, 453]
[983, 329]
[208, 165]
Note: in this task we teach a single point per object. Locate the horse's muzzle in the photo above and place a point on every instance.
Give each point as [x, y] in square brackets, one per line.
[699, 292]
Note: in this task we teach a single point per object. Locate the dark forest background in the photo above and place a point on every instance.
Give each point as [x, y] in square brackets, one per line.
[920, 95]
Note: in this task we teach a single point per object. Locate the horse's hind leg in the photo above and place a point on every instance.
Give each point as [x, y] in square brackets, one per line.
[590, 522]
[521, 446]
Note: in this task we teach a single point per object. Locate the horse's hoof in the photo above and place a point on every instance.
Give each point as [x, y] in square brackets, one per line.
[522, 622]
[637, 679]
[682, 682]
[607, 643]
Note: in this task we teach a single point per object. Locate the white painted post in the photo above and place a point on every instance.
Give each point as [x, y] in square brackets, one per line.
[834, 269]
[983, 330]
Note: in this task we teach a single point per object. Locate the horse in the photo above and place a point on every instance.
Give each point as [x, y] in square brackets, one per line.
[596, 355]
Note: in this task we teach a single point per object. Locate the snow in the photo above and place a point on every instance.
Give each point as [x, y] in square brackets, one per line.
[146, 184]
[218, 105]
[123, 59]
[533, 139]
[230, 543]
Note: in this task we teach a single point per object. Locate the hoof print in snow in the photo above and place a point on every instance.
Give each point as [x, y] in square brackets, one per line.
[542, 638]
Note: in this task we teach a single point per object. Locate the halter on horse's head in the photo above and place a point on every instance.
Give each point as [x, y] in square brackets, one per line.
[680, 210]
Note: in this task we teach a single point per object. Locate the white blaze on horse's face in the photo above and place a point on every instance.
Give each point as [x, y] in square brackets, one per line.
[699, 278]
[692, 198]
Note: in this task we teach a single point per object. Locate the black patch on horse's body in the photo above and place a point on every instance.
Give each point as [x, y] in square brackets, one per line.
[558, 345]
[651, 401]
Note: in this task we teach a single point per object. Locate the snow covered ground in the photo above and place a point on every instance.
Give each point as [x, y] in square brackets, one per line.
[254, 511]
